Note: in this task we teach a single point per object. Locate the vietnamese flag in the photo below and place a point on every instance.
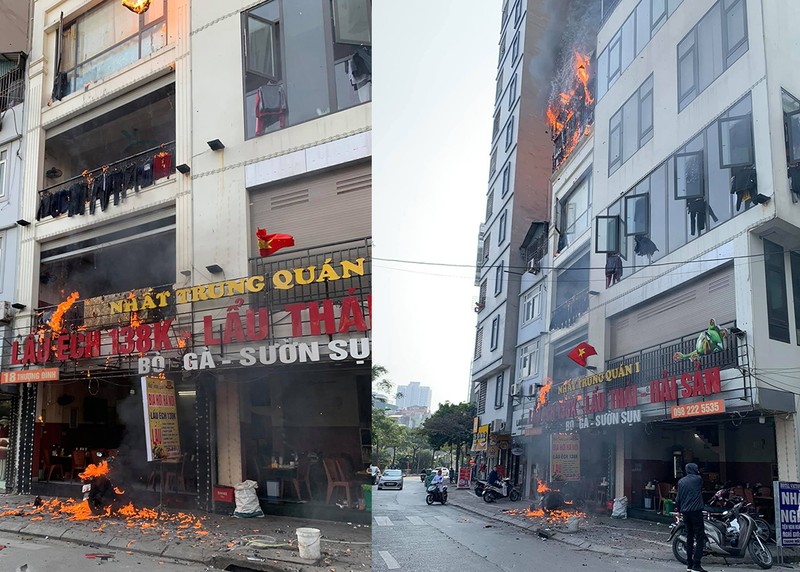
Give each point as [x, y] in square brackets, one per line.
[581, 352]
[271, 243]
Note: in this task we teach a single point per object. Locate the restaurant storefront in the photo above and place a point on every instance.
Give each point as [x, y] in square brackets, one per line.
[263, 377]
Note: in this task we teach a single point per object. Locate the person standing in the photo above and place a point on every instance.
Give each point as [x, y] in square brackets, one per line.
[690, 504]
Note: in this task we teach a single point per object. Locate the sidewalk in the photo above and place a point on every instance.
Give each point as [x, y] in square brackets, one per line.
[596, 533]
[266, 543]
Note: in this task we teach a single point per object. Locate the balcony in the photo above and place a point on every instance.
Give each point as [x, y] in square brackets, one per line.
[535, 246]
[568, 312]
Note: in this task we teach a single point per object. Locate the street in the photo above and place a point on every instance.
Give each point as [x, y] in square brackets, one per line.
[40, 555]
[408, 535]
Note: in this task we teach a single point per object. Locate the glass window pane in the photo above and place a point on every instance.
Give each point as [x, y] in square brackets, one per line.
[658, 14]
[153, 39]
[689, 175]
[686, 80]
[777, 301]
[2, 172]
[306, 57]
[709, 48]
[602, 77]
[678, 217]
[351, 22]
[642, 25]
[794, 136]
[736, 25]
[736, 142]
[720, 199]
[795, 262]
[106, 64]
[658, 212]
[637, 215]
[630, 127]
[261, 48]
[614, 59]
[96, 31]
[628, 41]
[646, 118]
[608, 232]
[153, 13]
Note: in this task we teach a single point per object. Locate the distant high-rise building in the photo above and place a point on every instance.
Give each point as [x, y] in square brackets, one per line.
[413, 395]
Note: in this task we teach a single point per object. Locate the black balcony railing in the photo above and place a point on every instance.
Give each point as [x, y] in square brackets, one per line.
[108, 184]
[568, 312]
[12, 85]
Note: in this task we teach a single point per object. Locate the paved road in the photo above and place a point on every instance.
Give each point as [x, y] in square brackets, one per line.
[42, 555]
[410, 536]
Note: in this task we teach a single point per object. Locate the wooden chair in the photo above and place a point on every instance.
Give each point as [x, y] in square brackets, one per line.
[749, 497]
[50, 468]
[78, 464]
[334, 480]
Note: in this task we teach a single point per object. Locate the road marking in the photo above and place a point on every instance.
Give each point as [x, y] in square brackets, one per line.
[416, 520]
[383, 521]
[391, 563]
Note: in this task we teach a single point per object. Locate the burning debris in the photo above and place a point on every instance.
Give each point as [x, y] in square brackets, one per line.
[571, 112]
[551, 517]
[542, 399]
[56, 322]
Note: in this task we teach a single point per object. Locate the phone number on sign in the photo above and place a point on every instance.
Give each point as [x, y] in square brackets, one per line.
[704, 408]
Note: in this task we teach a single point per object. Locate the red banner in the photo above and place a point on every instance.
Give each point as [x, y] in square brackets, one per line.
[695, 409]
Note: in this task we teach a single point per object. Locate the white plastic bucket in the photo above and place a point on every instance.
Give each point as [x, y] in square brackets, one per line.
[308, 540]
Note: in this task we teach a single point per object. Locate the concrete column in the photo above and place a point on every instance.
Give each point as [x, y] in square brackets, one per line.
[229, 434]
[619, 469]
[183, 144]
[786, 447]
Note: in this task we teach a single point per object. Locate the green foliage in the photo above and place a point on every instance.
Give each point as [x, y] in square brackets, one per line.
[451, 425]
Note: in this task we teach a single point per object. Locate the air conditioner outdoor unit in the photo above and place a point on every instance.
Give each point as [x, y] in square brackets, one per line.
[516, 389]
[5, 312]
[497, 426]
[533, 266]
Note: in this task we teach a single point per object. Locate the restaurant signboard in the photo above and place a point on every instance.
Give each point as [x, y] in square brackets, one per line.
[787, 513]
[30, 375]
[160, 418]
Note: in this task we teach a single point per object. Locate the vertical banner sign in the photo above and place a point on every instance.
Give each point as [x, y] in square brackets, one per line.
[565, 457]
[160, 418]
[464, 477]
[787, 513]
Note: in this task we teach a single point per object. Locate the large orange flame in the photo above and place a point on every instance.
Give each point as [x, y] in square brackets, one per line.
[542, 399]
[563, 108]
[551, 516]
[137, 6]
[542, 487]
[93, 471]
[56, 323]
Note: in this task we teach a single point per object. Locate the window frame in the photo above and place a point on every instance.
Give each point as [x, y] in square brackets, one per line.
[487, 243]
[687, 95]
[794, 139]
[777, 326]
[484, 287]
[509, 133]
[616, 235]
[505, 182]
[339, 39]
[616, 42]
[613, 165]
[493, 163]
[499, 274]
[4, 176]
[478, 351]
[512, 92]
[517, 12]
[676, 157]
[728, 50]
[276, 56]
[494, 337]
[534, 299]
[529, 358]
[515, 48]
[720, 122]
[496, 125]
[489, 204]
[499, 390]
[647, 135]
[629, 200]
[502, 51]
[655, 25]
[499, 87]
[501, 230]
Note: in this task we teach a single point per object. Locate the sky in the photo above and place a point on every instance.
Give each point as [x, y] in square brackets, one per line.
[433, 99]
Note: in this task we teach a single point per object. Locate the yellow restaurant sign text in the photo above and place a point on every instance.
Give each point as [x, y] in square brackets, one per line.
[608, 375]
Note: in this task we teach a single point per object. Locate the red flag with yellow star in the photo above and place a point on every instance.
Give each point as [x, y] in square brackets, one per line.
[581, 352]
[271, 243]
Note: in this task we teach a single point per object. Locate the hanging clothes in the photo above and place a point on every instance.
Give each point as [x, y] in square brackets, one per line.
[643, 246]
[563, 242]
[77, 199]
[743, 184]
[45, 202]
[145, 173]
[116, 180]
[162, 165]
[60, 203]
[697, 209]
[613, 269]
[271, 106]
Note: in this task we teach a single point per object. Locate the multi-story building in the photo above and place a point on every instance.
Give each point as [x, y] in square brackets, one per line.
[518, 195]
[413, 395]
[689, 275]
[13, 57]
[152, 161]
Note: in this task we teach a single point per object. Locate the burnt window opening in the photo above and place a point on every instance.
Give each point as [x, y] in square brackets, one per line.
[791, 132]
[535, 245]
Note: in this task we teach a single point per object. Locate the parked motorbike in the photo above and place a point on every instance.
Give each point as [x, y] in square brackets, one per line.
[436, 495]
[504, 490]
[731, 536]
[725, 499]
[480, 487]
[99, 492]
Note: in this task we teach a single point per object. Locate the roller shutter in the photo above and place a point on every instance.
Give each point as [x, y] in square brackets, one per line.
[316, 209]
[684, 311]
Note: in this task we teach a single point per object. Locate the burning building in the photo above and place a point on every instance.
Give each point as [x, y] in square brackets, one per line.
[151, 328]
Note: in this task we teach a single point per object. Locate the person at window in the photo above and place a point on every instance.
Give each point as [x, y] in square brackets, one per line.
[689, 503]
[438, 480]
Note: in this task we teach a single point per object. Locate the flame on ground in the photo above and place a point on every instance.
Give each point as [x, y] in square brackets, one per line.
[551, 516]
[56, 323]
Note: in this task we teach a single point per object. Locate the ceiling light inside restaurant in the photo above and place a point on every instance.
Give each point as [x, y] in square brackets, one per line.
[137, 6]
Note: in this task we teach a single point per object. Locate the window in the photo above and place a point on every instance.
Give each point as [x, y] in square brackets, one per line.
[777, 302]
[108, 38]
[658, 14]
[3, 161]
[517, 12]
[478, 343]
[501, 232]
[505, 12]
[304, 59]
[515, 48]
[615, 58]
[496, 125]
[794, 258]
[502, 49]
[498, 391]
[631, 126]
[498, 279]
[495, 338]
[506, 183]
[575, 211]
[646, 112]
[529, 360]
[512, 92]
[499, 87]
[689, 175]
[510, 133]
[736, 141]
[608, 234]
[489, 205]
[482, 295]
[615, 142]
[482, 398]
[791, 124]
[493, 163]
[637, 215]
[714, 45]
[487, 241]
[531, 305]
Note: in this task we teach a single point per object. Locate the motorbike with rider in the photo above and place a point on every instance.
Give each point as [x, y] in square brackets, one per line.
[437, 490]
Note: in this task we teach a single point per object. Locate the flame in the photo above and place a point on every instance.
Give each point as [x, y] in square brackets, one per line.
[582, 71]
[136, 6]
[551, 516]
[542, 487]
[135, 321]
[564, 106]
[181, 343]
[119, 491]
[56, 323]
[93, 471]
[542, 400]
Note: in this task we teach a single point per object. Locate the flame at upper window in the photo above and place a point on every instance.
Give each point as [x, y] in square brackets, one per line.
[137, 6]
[570, 113]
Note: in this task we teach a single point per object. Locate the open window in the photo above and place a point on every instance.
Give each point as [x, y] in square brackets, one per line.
[607, 238]
[261, 47]
[793, 125]
[689, 175]
[637, 214]
[736, 142]
[351, 22]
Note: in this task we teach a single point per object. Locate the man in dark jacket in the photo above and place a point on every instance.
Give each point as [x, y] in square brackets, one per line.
[690, 504]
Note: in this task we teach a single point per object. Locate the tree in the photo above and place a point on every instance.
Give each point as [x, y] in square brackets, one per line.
[451, 426]
[386, 433]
